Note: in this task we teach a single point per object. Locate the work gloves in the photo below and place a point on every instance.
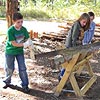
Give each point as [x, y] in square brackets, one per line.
[27, 43]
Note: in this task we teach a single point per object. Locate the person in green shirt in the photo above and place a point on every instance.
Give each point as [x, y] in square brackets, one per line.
[77, 31]
[17, 39]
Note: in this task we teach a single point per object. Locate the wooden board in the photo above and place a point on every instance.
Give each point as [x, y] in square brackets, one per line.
[75, 66]
[65, 77]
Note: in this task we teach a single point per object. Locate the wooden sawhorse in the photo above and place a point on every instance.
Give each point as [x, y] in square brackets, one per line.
[74, 66]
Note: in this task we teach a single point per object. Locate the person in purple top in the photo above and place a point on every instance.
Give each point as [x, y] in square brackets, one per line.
[89, 34]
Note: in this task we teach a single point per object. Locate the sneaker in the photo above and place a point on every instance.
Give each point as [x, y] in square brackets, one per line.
[6, 85]
[26, 89]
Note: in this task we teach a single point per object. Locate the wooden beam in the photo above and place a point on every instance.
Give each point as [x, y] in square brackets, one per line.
[75, 85]
[81, 63]
[73, 66]
[89, 69]
[71, 51]
[65, 77]
[88, 85]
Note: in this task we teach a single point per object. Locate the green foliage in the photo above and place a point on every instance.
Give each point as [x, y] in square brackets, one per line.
[31, 11]
[2, 11]
[58, 9]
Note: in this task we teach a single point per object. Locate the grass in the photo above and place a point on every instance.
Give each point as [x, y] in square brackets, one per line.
[2, 18]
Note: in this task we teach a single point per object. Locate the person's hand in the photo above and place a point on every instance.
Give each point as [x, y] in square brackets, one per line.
[89, 42]
[27, 43]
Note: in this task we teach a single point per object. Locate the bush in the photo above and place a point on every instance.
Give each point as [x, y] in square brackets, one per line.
[58, 10]
[2, 11]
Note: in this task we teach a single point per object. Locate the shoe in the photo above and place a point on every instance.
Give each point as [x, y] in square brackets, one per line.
[26, 89]
[6, 85]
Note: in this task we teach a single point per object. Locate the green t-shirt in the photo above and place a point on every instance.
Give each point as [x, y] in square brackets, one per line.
[16, 35]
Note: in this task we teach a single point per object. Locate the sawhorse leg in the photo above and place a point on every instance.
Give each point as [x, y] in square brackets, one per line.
[65, 77]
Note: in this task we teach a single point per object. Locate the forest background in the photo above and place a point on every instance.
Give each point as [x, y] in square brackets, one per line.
[53, 9]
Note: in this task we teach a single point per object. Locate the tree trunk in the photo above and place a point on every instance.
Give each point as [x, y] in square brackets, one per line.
[11, 8]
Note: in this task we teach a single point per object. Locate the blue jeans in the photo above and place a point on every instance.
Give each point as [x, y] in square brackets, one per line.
[10, 66]
[61, 74]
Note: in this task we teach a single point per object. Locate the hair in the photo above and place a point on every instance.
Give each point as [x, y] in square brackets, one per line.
[87, 17]
[17, 16]
[91, 13]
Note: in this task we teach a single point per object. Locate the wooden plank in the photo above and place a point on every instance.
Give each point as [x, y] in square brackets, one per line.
[49, 36]
[65, 77]
[89, 68]
[67, 53]
[77, 67]
[82, 55]
[81, 63]
[98, 24]
[64, 64]
[32, 54]
[81, 67]
[75, 85]
[88, 85]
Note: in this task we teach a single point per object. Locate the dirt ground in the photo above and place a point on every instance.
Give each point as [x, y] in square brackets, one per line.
[42, 81]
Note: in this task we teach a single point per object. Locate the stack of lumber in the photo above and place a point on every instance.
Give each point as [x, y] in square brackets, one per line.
[97, 33]
[59, 36]
[62, 34]
[47, 42]
[54, 36]
[45, 45]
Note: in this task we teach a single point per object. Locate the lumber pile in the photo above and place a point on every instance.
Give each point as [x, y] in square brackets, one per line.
[97, 33]
[52, 41]
[62, 34]
[59, 36]
[45, 45]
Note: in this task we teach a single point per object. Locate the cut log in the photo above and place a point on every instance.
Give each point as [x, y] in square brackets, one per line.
[52, 37]
[48, 59]
[97, 30]
[98, 24]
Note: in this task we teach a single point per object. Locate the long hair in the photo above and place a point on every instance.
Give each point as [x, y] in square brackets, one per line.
[87, 17]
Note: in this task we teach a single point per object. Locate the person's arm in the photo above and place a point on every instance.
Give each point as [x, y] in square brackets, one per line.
[14, 43]
[85, 39]
[25, 44]
[75, 33]
[92, 32]
[11, 38]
